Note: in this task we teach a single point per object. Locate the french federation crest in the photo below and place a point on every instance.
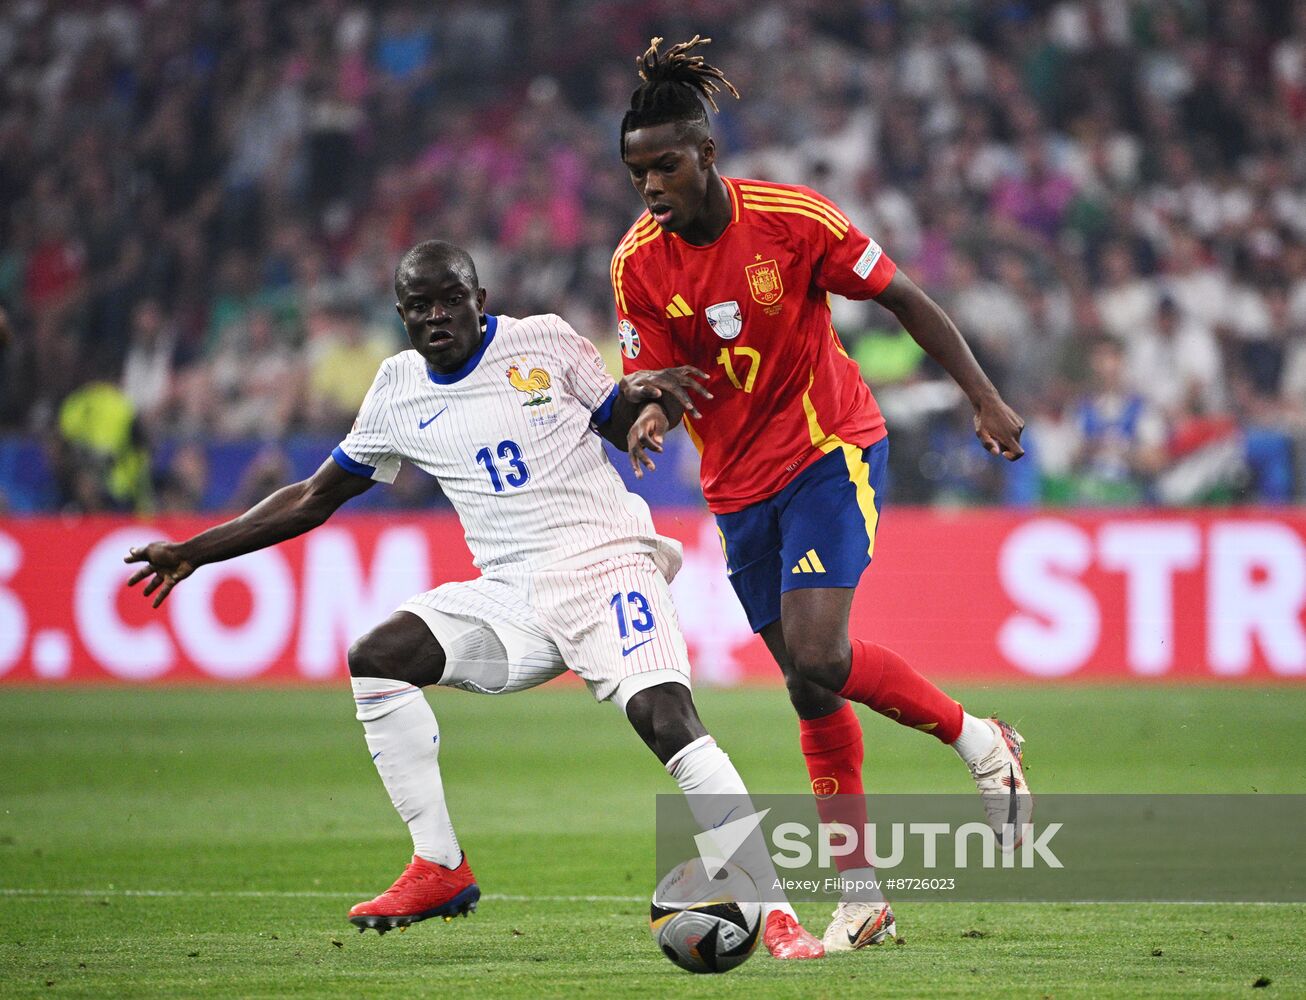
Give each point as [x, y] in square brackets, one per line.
[764, 282]
[628, 337]
[535, 384]
[725, 319]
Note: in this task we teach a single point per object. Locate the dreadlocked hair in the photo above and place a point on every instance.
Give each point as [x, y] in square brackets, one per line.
[674, 88]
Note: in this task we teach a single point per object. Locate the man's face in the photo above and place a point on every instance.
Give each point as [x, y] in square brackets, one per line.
[670, 171]
[442, 311]
[1167, 321]
[1108, 365]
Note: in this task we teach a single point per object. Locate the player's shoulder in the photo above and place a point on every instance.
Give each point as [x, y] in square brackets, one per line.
[542, 331]
[400, 374]
[402, 363]
[754, 190]
[395, 375]
[386, 370]
[763, 202]
[639, 238]
[539, 324]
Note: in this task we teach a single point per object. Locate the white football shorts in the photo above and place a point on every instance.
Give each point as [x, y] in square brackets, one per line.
[612, 623]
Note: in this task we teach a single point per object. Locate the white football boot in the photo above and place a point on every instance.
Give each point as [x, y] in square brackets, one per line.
[1000, 777]
[859, 924]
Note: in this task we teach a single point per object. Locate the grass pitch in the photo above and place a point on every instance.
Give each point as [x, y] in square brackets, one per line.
[206, 842]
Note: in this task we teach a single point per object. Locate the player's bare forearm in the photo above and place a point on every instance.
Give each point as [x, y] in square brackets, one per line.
[997, 425]
[649, 404]
[931, 327]
[626, 411]
[672, 388]
[290, 511]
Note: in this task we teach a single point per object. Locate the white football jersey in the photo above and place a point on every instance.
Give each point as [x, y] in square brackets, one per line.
[509, 437]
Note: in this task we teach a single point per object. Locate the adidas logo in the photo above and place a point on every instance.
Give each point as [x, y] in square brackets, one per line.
[678, 308]
[810, 563]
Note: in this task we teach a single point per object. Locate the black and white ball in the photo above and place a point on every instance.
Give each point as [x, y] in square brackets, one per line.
[706, 924]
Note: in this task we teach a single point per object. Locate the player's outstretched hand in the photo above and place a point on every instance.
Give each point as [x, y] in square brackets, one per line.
[644, 387]
[998, 427]
[164, 563]
[645, 435]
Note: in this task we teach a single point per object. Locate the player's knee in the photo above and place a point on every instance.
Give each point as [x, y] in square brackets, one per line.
[820, 660]
[398, 650]
[809, 700]
[665, 719]
[366, 658]
[672, 736]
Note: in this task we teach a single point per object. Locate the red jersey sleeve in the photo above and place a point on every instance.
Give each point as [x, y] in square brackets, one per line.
[641, 329]
[852, 265]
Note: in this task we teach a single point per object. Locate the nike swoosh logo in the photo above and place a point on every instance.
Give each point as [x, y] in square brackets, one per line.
[377, 754]
[423, 424]
[854, 935]
[1013, 807]
[627, 652]
[718, 826]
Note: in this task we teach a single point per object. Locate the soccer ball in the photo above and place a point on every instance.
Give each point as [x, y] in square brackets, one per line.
[706, 924]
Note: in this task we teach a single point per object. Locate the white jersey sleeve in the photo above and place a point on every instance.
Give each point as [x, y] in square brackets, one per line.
[586, 375]
[367, 449]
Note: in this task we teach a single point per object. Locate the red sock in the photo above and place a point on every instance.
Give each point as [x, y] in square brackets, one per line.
[832, 747]
[883, 680]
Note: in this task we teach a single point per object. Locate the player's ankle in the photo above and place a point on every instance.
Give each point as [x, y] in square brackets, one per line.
[976, 739]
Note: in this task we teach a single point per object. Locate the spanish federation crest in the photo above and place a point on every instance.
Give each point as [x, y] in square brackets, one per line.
[764, 282]
[725, 319]
[628, 337]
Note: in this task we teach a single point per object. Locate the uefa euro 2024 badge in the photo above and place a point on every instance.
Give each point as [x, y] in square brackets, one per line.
[725, 319]
[628, 337]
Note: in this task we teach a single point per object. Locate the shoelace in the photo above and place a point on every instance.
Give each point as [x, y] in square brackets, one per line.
[411, 874]
[785, 922]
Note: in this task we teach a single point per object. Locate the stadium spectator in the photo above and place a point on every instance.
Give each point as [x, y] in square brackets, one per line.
[1126, 301]
[1175, 362]
[224, 161]
[100, 454]
[147, 370]
[344, 356]
[1119, 440]
[13, 364]
[182, 484]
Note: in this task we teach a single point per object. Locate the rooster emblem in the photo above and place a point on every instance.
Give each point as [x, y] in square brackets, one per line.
[532, 384]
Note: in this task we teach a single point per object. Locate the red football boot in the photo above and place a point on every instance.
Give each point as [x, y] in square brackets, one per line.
[425, 889]
[785, 938]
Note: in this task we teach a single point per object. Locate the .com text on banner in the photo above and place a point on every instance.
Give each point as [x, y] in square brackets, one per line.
[968, 596]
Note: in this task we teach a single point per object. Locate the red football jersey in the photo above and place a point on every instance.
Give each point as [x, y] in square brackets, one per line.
[751, 309]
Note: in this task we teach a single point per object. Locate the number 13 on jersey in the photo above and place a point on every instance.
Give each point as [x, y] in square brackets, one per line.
[509, 453]
[641, 614]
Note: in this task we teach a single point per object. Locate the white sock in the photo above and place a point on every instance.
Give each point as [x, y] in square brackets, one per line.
[715, 794]
[404, 740]
[976, 739]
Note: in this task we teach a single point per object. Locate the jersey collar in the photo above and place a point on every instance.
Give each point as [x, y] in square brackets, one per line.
[491, 325]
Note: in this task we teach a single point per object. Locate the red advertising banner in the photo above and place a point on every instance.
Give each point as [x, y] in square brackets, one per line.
[967, 596]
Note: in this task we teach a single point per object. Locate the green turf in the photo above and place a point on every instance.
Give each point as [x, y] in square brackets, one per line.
[260, 815]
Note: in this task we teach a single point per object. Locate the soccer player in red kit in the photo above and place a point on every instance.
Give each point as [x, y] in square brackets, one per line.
[721, 290]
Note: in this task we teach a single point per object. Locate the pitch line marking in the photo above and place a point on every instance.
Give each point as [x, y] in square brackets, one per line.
[512, 898]
[282, 894]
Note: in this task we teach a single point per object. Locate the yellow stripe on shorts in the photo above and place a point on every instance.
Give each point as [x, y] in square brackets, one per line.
[859, 473]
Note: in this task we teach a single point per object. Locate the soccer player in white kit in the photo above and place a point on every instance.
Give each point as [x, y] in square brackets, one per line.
[574, 576]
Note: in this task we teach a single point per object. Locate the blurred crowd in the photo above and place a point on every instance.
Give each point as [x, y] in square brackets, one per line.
[202, 202]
